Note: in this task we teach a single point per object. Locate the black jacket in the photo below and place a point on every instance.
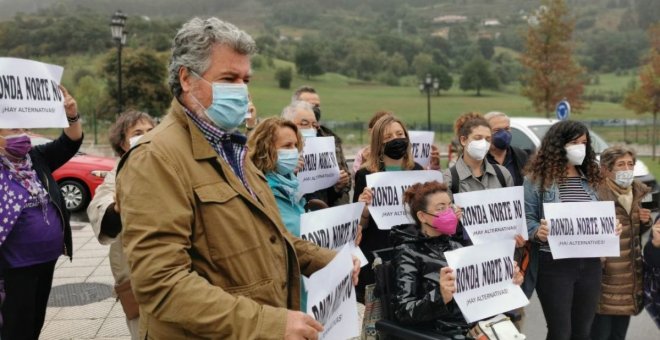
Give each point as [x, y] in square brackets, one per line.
[47, 158]
[417, 263]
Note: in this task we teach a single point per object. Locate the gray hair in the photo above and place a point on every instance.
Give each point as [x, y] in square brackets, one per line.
[493, 114]
[610, 155]
[289, 112]
[301, 90]
[192, 45]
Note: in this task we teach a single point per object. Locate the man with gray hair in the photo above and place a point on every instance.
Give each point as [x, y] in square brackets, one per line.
[210, 257]
[337, 194]
[501, 151]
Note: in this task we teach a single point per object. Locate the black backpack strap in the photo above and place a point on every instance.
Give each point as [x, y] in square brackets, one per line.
[454, 180]
[500, 175]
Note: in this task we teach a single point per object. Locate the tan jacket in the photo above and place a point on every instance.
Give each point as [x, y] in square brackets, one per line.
[621, 287]
[208, 260]
[103, 197]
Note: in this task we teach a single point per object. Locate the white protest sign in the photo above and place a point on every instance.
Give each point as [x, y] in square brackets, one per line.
[320, 169]
[334, 227]
[581, 229]
[29, 95]
[421, 146]
[331, 298]
[484, 279]
[493, 214]
[387, 208]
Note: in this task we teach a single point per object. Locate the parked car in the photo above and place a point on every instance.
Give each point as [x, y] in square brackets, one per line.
[79, 177]
[527, 134]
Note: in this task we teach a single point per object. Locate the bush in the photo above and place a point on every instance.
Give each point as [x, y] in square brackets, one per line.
[284, 75]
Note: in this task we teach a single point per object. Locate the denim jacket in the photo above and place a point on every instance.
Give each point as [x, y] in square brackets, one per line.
[533, 204]
[534, 214]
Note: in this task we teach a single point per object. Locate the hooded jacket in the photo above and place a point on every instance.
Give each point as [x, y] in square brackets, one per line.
[417, 262]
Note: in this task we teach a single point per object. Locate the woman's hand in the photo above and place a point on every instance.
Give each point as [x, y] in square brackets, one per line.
[520, 241]
[447, 284]
[366, 196]
[618, 229]
[458, 211]
[542, 231]
[343, 181]
[644, 215]
[301, 164]
[358, 238]
[70, 104]
[518, 276]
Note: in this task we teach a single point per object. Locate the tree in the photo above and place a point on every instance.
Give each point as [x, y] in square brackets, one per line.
[307, 60]
[284, 76]
[422, 63]
[486, 47]
[645, 98]
[143, 82]
[551, 73]
[477, 75]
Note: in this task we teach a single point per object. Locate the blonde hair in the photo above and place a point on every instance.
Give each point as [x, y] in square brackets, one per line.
[261, 144]
[374, 159]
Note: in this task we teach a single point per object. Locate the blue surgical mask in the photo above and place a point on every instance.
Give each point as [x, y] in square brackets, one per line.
[287, 160]
[502, 139]
[229, 105]
[306, 133]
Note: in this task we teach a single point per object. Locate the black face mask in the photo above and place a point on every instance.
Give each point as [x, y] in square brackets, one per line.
[396, 148]
[317, 113]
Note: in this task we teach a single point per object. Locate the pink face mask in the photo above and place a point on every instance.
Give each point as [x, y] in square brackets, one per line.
[445, 222]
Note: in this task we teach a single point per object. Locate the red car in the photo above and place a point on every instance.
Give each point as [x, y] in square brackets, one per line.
[79, 177]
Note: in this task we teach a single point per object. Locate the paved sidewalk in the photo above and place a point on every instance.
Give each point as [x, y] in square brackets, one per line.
[81, 304]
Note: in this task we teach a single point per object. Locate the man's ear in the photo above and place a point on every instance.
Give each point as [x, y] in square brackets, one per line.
[185, 79]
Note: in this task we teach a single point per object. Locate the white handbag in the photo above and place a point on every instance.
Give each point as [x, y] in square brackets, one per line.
[498, 327]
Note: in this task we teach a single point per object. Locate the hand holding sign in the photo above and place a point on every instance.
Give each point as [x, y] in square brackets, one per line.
[301, 326]
[543, 231]
[343, 181]
[447, 284]
[582, 229]
[70, 104]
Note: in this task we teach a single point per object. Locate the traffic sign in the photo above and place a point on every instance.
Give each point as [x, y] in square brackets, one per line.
[563, 110]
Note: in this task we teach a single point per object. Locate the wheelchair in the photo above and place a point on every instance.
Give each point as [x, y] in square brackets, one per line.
[387, 328]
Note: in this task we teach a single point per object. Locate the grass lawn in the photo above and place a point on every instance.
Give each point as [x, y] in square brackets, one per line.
[654, 166]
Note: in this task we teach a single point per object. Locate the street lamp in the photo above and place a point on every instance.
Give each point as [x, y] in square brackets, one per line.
[117, 23]
[429, 84]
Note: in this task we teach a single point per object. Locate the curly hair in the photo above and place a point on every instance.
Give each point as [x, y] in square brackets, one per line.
[416, 197]
[126, 120]
[261, 144]
[374, 159]
[466, 122]
[550, 162]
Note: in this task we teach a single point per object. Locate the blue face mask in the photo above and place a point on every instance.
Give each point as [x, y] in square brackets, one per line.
[306, 133]
[229, 105]
[502, 139]
[287, 160]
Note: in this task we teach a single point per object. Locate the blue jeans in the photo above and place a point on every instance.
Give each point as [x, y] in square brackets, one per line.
[569, 291]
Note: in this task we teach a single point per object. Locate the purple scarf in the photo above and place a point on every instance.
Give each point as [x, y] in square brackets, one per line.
[11, 203]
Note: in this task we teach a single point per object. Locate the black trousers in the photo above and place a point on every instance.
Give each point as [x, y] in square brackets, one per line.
[24, 309]
[569, 291]
[610, 327]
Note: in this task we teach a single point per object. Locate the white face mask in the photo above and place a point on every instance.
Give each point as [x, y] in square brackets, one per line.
[134, 140]
[478, 149]
[576, 153]
[624, 178]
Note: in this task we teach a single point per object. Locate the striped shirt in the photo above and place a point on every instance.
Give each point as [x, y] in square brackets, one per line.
[571, 190]
[229, 146]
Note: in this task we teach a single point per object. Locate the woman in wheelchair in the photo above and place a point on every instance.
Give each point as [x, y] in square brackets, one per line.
[425, 285]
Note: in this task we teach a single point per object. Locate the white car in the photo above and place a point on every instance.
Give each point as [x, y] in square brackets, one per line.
[527, 134]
